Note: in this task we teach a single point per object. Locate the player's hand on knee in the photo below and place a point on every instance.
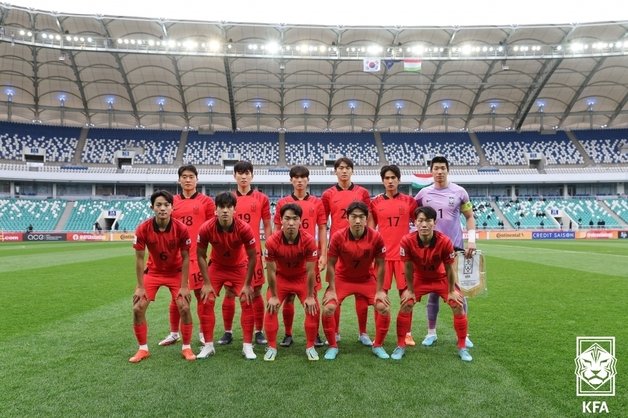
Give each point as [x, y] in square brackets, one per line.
[139, 295]
[329, 296]
[310, 305]
[185, 294]
[407, 300]
[207, 294]
[247, 294]
[455, 299]
[272, 306]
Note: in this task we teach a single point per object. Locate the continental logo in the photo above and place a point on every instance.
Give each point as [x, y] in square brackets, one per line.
[509, 235]
[127, 237]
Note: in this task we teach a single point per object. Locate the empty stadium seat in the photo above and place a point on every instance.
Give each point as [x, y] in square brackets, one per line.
[260, 148]
[59, 142]
[309, 148]
[410, 148]
[508, 148]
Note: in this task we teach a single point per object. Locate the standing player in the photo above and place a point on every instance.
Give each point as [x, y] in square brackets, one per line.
[313, 221]
[168, 243]
[253, 207]
[192, 209]
[350, 271]
[336, 199]
[291, 256]
[449, 200]
[429, 258]
[231, 265]
[392, 212]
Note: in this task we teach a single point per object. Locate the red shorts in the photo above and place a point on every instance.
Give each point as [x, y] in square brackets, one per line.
[258, 274]
[195, 278]
[440, 287]
[286, 287]
[232, 277]
[395, 267]
[366, 289]
[152, 283]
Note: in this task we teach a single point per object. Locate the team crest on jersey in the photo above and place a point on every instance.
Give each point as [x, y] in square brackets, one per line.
[253, 207]
[171, 245]
[452, 201]
[196, 210]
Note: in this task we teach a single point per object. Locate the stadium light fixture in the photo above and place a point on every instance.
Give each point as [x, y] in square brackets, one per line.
[10, 93]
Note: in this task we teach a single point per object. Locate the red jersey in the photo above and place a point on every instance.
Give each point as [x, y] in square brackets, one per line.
[228, 247]
[252, 208]
[355, 256]
[313, 212]
[193, 211]
[336, 200]
[164, 247]
[290, 258]
[393, 215]
[429, 261]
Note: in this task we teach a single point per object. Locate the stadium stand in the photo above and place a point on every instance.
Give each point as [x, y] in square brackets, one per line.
[59, 142]
[410, 148]
[86, 212]
[485, 216]
[308, 148]
[604, 146]
[18, 214]
[526, 213]
[508, 148]
[619, 206]
[151, 146]
[530, 212]
[260, 148]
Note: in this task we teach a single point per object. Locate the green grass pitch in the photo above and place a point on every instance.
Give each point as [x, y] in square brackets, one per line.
[66, 336]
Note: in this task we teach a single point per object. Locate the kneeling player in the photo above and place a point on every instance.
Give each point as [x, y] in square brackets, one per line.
[290, 259]
[168, 243]
[428, 257]
[352, 251]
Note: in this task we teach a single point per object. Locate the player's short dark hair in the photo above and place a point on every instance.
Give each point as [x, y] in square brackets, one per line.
[243, 167]
[345, 160]
[188, 167]
[225, 200]
[357, 205]
[439, 159]
[293, 207]
[299, 171]
[396, 171]
[428, 211]
[163, 193]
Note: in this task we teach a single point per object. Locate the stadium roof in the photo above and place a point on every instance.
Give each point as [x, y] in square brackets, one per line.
[166, 73]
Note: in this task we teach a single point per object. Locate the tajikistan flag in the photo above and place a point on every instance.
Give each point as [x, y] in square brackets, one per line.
[420, 180]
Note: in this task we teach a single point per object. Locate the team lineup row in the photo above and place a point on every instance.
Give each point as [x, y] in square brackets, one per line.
[370, 245]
